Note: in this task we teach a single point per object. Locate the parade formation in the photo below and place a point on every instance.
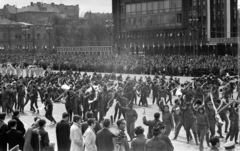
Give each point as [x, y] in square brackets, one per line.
[205, 105]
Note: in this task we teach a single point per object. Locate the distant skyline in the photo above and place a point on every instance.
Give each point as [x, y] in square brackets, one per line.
[101, 6]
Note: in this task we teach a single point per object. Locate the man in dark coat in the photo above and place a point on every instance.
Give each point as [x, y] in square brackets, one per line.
[20, 125]
[3, 131]
[63, 133]
[165, 138]
[13, 136]
[104, 137]
[40, 131]
[151, 124]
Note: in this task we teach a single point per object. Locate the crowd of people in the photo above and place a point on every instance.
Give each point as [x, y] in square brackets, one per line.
[88, 99]
[175, 65]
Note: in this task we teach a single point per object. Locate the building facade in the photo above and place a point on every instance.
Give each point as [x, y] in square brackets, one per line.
[175, 26]
[19, 36]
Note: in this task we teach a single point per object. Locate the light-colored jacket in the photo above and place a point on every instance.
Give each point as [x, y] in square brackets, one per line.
[90, 140]
[76, 138]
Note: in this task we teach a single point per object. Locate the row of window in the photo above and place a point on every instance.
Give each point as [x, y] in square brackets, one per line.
[151, 21]
[21, 36]
[154, 7]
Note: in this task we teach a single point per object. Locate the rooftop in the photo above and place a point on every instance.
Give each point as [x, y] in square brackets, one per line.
[4, 21]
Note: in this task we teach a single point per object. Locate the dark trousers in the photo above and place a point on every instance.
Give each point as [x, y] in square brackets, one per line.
[143, 100]
[34, 102]
[20, 103]
[201, 131]
[225, 119]
[176, 121]
[48, 114]
[130, 129]
[191, 125]
[233, 131]
[6, 107]
[212, 131]
[154, 97]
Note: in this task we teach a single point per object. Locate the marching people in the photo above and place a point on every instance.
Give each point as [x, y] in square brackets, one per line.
[33, 99]
[131, 117]
[21, 95]
[63, 133]
[167, 119]
[49, 109]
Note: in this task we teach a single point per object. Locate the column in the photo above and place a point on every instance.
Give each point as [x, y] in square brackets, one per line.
[228, 18]
[208, 20]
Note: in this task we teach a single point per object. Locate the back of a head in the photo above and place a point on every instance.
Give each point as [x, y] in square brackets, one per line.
[65, 115]
[139, 130]
[119, 122]
[89, 115]
[12, 123]
[90, 121]
[16, 113]
[106, 123]
[157, 116]
[42, 122]
[2, 115]
[76, 118]
[36, 118]
[214, 140]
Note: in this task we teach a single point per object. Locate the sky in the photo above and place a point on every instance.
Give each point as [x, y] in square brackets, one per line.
[102, 6]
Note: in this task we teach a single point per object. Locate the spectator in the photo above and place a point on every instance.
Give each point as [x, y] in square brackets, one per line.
[13, 136]
[121, 138]
[85, 124]
[63, 133]
[76, 135]
[27, 144]
[90, 136]
[131, 117]
[215, 143]
[155, 143]
[20, 125]
[3, 131]
[165, 138]
[40, 132]
[138, 143]
[151, 123]
[104, 140]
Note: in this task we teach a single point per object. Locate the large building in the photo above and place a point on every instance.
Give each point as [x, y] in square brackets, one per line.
[176, 26]
[30, 27]
[40, 13]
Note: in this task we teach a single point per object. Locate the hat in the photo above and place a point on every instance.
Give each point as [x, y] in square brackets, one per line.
[156, 129]
[229, 145]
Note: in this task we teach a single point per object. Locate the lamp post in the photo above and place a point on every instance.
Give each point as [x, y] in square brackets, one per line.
[193, 22]
[9, 35]
[109, 26]
[48, 30]
[24, 32]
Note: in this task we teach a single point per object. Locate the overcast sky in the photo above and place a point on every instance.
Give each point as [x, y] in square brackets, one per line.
[85, 5]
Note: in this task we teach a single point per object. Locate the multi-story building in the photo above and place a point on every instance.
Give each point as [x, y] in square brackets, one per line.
[176, 26]
[16, 36]
[30, 27]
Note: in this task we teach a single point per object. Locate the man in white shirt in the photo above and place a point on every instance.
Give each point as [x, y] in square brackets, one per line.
[90, 136]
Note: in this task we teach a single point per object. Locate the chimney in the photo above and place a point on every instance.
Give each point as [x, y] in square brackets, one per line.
[31, 3]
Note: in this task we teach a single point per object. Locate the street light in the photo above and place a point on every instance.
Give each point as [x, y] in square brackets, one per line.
[48, 30]
[24, 32]
[193, 22]
[109, 26]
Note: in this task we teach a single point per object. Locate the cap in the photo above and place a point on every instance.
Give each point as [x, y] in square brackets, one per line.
[229, 145]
